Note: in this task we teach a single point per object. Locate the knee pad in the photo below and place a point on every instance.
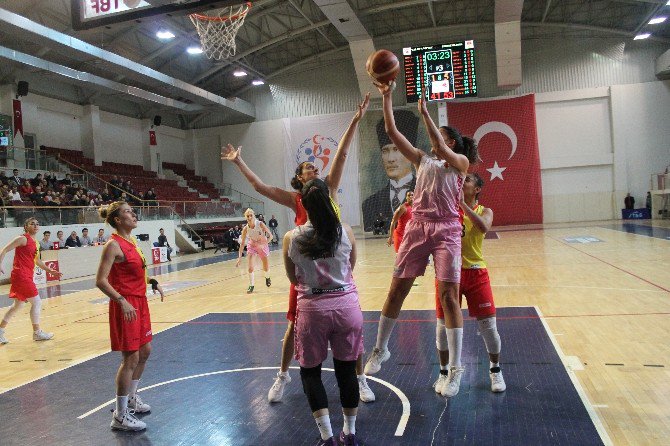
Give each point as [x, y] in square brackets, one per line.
[489, 331]
[313, 388]
[345, 373]
[441, 335]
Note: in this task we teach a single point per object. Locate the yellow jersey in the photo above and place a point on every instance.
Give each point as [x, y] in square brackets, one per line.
[471, 242]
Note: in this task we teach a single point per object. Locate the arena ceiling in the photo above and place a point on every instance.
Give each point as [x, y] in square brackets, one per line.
[279, 37]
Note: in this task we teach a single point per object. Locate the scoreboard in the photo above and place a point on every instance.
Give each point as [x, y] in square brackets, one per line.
[440, 72]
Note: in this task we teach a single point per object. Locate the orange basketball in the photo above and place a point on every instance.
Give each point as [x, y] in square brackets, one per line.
[383, 66]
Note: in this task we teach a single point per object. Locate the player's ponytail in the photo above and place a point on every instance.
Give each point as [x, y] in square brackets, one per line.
[464, 144]
[324, 240]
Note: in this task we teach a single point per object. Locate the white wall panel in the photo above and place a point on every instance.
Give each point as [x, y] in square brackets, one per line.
[121, 138]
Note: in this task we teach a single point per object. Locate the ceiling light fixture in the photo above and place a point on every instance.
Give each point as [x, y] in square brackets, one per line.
[239, 73]
[165, 35]
[642, 36]
[194, 50]
[657, 20]
[257, 82]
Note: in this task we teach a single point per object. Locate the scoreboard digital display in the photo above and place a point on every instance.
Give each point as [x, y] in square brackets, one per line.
[440, 72]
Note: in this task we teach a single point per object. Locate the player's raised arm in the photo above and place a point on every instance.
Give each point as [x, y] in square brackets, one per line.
[335, 175]
[275, 194]
[405, 147]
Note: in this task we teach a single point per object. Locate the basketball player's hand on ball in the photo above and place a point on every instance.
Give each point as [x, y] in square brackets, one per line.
[384, 89]
[160, 290]
[230, 153]
[362, 108]
[129, 313]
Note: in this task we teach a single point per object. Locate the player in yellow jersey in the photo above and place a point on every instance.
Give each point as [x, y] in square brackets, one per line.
[475, 286]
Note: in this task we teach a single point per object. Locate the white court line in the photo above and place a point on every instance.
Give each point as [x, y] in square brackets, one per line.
[597, 422]
[400, 430]
[88, 358]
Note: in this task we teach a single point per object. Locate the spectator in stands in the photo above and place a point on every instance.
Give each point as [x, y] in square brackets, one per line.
[85, 239]
[5, 195]
[648, 203]
[273, 228]
[124, 197]
[37, 181]
[151, 198]
[3, 178]
[67, 181]
[261, 218]
[60, 239]
[101, 239]
[51, 180]
[55, 200]
[629, 202]
[47, 199]
[45, 243]
[16, 178]
[26, 189]
[138, 201]
[105, 196]
[163, 243]
[15, 196]
[37, 197]
[73, 241]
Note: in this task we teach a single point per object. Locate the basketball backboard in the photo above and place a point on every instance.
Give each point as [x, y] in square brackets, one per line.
[87, 14]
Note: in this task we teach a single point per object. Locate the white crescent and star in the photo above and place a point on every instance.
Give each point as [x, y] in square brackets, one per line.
[498, 127]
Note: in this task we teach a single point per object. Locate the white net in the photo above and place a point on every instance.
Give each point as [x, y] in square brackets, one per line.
[217, 31]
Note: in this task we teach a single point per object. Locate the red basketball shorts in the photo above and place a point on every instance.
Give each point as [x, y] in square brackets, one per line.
[129, 336]
[476, 287]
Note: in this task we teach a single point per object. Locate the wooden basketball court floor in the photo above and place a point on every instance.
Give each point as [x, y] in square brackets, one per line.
[602, 290]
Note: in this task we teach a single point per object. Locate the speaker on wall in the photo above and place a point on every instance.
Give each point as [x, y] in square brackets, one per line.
[22, 88]
[157, 120]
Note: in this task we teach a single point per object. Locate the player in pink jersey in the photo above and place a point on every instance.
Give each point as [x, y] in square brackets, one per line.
[319, 257]
[434, 229]
[26, 256]
[305, 172]
[256, 237]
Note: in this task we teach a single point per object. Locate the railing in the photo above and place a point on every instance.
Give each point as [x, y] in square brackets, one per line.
[30, 162]
[14, 216]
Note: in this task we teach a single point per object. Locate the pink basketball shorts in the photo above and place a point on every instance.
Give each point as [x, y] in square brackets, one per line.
[423, 238]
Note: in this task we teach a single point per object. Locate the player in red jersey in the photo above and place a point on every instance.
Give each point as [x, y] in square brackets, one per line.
[475, 286]
[400, 218]
[305, 172]
[122, 276]
[26, 251]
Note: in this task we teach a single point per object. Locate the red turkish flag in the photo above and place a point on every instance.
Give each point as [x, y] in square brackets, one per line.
[506, 133]
[18, 118]
[152, 137]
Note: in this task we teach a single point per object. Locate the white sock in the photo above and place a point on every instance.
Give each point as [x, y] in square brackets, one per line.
[455, 341]
[121, 404]
[323, 423]
[251, 278]
[443, 367]
[384, 330]
[349, 424]
[267, 274]
[133, 388]
[361, 377]
[493, 364]
[2, 331]
[283, 373]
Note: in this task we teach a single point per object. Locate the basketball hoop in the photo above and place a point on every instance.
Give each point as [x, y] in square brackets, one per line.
[217, 31]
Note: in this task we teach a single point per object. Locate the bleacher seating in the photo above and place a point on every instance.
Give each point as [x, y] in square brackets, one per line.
[194, 181]
[140, 179]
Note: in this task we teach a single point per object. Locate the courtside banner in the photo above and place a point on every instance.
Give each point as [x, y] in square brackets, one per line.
[315, 139]
[506, 132]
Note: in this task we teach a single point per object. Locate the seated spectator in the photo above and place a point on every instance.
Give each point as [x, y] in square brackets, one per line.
[26, 189]
[73, 241]
[15, 178]
[15, 196]
[5, 195]
[105, 196]
[51, 180]
[37, 197]
[85, 239]
[55, 200]
[37, 181]
[101, 239]
[380, 226]
[45, 243]
[150, 198]
[123, 197]
[67, 181]
[60, 239]
[163, 243]
[3, 178]
[115, 181]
